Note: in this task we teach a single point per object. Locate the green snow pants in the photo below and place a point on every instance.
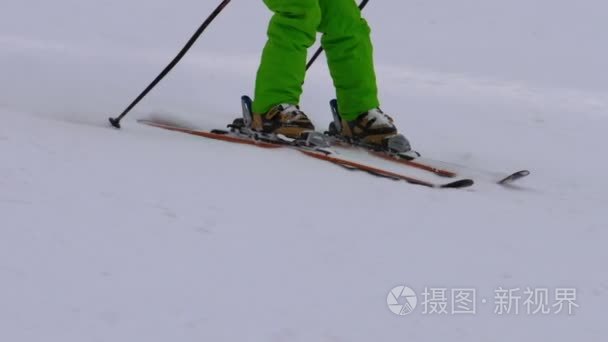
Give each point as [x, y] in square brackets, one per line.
[347, 43]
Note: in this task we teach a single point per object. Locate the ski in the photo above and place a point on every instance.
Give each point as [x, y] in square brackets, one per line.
[401, 153]
[500, 178]
[330, 146]
[410, 161]
[318, 152]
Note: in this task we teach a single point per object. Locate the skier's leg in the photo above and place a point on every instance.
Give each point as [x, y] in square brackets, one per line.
[291, 32]
[347, 42]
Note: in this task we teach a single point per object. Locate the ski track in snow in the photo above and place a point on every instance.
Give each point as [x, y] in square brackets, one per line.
[144, 234]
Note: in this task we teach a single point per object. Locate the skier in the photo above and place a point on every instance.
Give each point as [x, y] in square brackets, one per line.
[346, 40]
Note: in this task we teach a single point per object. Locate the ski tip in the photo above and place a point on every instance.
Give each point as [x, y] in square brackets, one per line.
[461, 183]
[514, 176]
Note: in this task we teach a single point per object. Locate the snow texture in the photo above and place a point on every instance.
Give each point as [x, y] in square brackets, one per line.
[148, 235]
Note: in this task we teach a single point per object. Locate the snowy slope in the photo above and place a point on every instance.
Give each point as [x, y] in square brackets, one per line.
[142, 234]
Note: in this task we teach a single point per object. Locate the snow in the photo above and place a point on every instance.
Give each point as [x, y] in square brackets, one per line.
[143, 234]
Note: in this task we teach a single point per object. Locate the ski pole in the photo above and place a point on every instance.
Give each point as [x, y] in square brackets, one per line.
[320, 50]
[116, 121]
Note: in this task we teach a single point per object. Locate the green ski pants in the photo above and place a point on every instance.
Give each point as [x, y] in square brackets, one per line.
[346, 40]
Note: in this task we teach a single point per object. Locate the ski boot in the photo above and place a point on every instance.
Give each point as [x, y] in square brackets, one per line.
[373, 130]
[283, 123]
[284, 119]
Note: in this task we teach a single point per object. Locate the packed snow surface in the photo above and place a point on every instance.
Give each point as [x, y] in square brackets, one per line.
[148, 235]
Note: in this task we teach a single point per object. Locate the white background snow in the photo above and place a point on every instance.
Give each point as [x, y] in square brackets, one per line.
[142, 234]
